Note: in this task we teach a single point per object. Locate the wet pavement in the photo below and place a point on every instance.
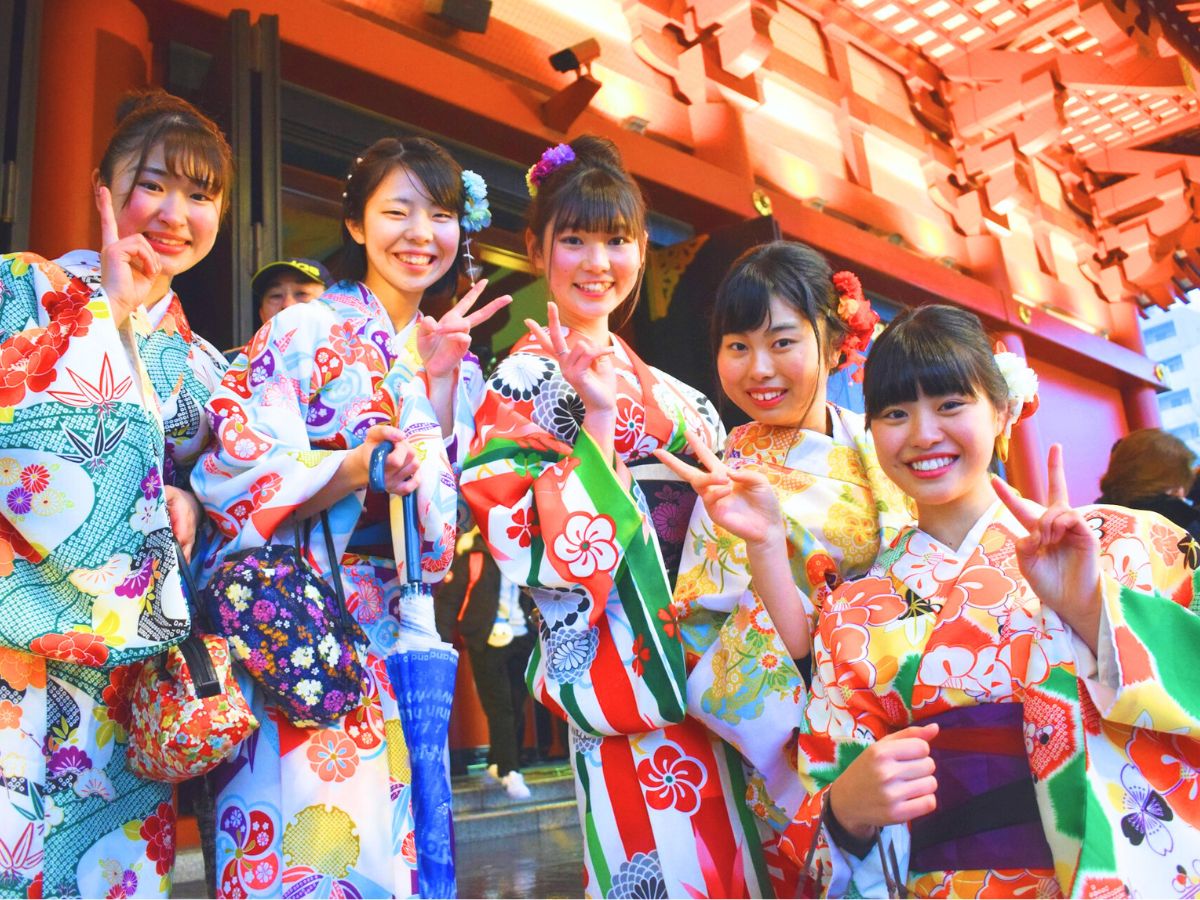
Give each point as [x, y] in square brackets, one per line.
[541, 864]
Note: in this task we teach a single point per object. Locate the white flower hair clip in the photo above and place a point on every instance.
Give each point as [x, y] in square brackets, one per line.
[1022, 384]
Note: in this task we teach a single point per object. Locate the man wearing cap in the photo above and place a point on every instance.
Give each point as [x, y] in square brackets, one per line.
[284, 283]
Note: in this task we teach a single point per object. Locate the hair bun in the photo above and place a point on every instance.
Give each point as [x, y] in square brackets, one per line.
[597, 151]
[149, 99]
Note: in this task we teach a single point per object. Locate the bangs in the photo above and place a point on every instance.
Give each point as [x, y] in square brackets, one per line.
[918, 361]
[600, 203]
[742, 305]
[190, 153]
[442, 184]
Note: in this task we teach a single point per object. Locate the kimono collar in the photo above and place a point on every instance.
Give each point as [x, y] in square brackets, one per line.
[952, 559]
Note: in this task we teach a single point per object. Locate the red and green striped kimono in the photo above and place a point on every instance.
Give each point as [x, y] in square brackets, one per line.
[661, 804]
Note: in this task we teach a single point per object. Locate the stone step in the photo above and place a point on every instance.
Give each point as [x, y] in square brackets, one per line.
[514, 820]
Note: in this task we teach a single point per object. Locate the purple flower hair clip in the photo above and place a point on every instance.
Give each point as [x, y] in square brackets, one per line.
[558, 155]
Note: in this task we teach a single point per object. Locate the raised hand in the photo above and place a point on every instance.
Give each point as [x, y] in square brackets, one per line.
[1060, 556]
[185, 514]
[586, 367]
[444, 342]
[129, 267]
[739, 500]
[892, 781]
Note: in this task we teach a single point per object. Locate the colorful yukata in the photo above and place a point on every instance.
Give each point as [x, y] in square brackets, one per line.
[324, 811]
[839, 508]
[959, 634]
[183, 367]
[89, 583]
[656, 810]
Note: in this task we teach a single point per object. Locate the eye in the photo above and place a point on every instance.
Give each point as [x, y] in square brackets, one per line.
[735, 346]
[571, 240]
[148, 185]
[951, 404]
[202, 197]
[619, 239]
[893, 414]
[442, 215]
[783, 343]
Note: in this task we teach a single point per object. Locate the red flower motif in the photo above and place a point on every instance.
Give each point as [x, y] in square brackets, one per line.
[35, 478]
[408, 848]
[817, 567]
[25, 365]
[158, 831]
[641, 655]
[672, 780]
[117, 695]
[523, 529]
[73, 647]
[669, 616]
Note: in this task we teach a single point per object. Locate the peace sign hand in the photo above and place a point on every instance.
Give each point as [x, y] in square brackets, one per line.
[1060, 557]
[739, 500]
[586, 367]
[129, 267]
[444, 342]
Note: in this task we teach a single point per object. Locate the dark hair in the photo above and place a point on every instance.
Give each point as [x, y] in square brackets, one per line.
[593, 192]
[193, 145]
[1145, 463]
[796, 274]
[439, 175]
[932, 350]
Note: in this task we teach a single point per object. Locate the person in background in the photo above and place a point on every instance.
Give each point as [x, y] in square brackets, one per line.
[284, 283]
[1152, 469]
[494, 628]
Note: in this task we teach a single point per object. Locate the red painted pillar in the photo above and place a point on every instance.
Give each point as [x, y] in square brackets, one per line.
[91, 53]
[1141, 407]
[1026, 466]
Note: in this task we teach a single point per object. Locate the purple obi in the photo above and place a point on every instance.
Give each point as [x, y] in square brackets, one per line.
[987, 813]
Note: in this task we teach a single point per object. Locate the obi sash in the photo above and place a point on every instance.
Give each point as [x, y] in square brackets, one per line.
[987, 812]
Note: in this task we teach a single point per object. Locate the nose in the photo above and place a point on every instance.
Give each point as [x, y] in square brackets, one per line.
[926, 430]
[596, 259]
[418, 227]
[173, 209]
[289, 298]
[761, 365]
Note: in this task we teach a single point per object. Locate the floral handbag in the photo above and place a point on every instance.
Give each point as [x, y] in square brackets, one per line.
[291, 630]
[186, 711]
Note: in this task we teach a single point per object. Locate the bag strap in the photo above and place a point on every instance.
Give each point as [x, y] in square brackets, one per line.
[195, 652]
[335, 565]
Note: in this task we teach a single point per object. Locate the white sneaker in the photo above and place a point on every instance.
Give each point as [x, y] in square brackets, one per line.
[493, 772]
[515, 787]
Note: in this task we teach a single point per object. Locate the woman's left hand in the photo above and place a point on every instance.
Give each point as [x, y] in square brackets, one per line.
[1060, 557]
[444, 342]
[186, 514]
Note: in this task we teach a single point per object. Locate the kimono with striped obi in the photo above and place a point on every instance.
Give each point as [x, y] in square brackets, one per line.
[89, 585]
[183, 367]
[839, 508]
[661, 806]
[325, 811]
[1103, 747]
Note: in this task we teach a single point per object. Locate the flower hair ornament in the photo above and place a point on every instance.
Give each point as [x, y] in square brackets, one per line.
[552, 158]
[855, 310]
[1022, 384]
[476, 216]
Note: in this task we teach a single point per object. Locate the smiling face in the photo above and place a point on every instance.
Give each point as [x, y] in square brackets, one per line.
[179, 217]
[777, 373]
[590, 273]
[937, 450]
[410, 241]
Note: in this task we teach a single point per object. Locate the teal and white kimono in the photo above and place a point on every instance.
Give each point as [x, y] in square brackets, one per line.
[89, 583]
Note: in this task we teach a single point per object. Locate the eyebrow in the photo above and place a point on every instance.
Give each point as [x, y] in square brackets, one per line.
[783, 326]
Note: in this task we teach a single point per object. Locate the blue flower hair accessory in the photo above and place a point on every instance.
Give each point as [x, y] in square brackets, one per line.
[476, 214]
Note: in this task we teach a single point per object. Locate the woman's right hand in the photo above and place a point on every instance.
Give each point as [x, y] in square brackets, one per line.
[585, 367]
[129, 266]
[400, 470]
[890, 782]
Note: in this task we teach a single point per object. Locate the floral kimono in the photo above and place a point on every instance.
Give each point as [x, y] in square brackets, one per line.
[839, 508]
[324, 811]
[657, 815]
[1100, 749]
[89, 584]
[183, 367]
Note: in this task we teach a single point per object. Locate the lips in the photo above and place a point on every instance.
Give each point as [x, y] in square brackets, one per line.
[422, 260]
[766, 398]
[594, 288]
[166, 244]
[932, 466]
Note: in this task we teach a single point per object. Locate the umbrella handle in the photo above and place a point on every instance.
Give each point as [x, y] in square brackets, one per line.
[377, 466]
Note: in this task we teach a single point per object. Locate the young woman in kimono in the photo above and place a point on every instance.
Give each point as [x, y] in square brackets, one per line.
[315, 812]
[89, 582]
[1004, 705]
[799, 504]
[567, 422]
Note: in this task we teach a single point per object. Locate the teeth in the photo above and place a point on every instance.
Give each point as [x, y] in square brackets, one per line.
[414, 259]
[766, 395]
[928, 465]
[595, 287]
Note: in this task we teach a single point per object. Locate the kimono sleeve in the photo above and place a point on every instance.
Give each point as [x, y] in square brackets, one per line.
[1145, 671]
[259, 466]
[558, 521]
